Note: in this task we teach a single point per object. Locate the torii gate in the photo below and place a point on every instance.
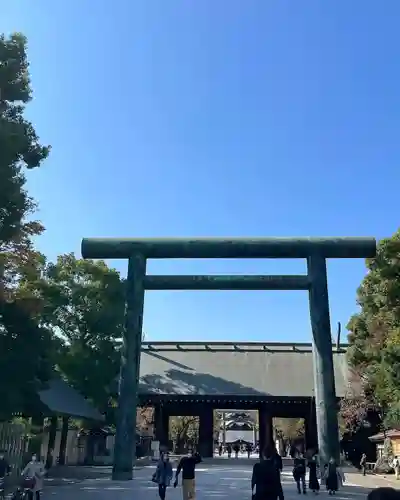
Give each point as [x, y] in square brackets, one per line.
[137, 251]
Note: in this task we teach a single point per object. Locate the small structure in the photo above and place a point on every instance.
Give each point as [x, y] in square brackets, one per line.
[393, 436]
[59, 400]
[48, 433]
[239, 427]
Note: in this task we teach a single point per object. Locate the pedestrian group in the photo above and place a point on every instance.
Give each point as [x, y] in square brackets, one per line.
[266, 478]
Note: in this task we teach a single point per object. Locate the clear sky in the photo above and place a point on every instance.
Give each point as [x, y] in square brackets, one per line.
[217, 118]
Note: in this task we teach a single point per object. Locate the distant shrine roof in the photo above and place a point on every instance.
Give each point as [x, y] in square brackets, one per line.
[234, 369]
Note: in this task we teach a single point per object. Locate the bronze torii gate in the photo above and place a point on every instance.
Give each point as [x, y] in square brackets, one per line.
[315, 250]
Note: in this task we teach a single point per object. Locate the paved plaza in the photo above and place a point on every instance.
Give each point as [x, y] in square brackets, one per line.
[213, 481]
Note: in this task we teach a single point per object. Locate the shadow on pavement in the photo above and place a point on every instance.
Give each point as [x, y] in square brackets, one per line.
[213, 482]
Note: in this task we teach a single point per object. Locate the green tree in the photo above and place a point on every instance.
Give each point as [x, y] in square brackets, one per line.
[183, 429]
[288, 431]
[374, 337]
[24, 346]
[26, 361]
[84, 303]
[144, 419]
[19, 150]
[289, 428]
[384, 463]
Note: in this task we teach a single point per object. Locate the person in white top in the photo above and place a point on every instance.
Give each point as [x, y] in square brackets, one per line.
[396, 466]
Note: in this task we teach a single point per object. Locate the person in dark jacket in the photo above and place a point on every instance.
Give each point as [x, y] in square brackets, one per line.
[266, 481]
[279, 466]
[363, 464]
[332, 477]
[5, 468]
[299, 473]
[188, 467]
[384, 493]
[313, 482]
[163, 475]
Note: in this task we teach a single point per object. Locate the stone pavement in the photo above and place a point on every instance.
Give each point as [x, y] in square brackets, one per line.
[372, 480]
[213, 481]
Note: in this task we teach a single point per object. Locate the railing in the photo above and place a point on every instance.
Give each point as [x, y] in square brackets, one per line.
[271, 347]
[14, 441]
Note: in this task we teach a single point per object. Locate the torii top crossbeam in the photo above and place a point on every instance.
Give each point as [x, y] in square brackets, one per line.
[225, 248]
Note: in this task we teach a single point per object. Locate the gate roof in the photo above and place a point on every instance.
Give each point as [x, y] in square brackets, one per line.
[234, 369]
[61, 399]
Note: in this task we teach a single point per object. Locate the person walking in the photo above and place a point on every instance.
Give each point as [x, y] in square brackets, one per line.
[299, 473]
[333, 477]
[188, 467]
[384, 493]
[363, 464]
[265, 480]
[163, 475]
[5, 468]
[5, 471]
[396, 466]
[313, 482]
[34, 472]
[279, 466]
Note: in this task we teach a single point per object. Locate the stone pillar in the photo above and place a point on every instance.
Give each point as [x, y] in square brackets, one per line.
[63, 441]
[265, 432]
[51, 442]
[224, 429]
[125, 436]
[310, 429]
[324, 377]
[206, 431]
[35, 443]
[161, 425]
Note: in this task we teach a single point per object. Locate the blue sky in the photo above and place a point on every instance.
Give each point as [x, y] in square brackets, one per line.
[213, 118]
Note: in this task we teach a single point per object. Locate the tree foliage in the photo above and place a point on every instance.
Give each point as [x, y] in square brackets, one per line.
[144, 419]
[289, 432]
[374, 337]
[289, 428]
[67, 315]
[25, 359]
[384, 463]
[20, 150]
[83, 302]
[183, 430]
[25, 347]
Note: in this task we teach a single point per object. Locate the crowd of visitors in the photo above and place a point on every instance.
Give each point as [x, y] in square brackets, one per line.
[236, 448]
[266, 478]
